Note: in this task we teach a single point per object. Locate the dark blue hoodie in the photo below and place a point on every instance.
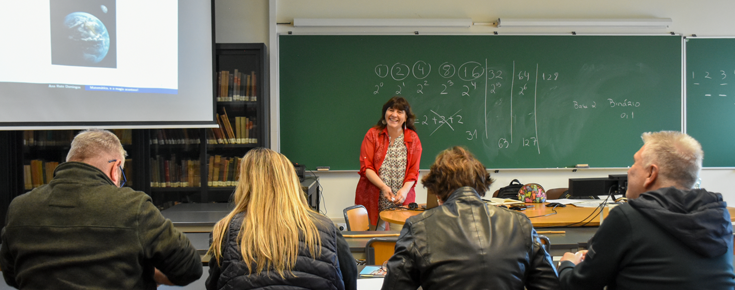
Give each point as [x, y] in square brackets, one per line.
[697, 217]
[664, 239]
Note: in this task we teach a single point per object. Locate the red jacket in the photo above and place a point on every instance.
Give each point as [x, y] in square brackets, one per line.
[372, 153]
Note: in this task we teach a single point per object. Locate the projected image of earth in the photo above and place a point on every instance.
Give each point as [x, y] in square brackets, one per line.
[83, 33]
[88, 35]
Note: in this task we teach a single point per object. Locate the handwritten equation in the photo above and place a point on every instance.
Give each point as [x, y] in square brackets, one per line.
[715, 83]
[472, 81]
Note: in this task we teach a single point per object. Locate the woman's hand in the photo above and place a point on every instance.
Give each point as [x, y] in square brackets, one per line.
[401, 195]
[387, 193]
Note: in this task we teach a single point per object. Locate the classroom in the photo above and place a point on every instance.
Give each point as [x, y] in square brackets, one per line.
[256, 21]
[297, 55]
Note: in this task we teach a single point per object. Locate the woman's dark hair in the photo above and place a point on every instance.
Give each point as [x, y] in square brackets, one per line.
[398, 103]
[454, 168]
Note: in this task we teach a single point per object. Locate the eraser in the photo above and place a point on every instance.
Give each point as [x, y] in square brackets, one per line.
[583, 166]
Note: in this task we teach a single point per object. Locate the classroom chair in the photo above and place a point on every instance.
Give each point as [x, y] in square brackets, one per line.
[356, 218]
[379, 250]
[555, 193]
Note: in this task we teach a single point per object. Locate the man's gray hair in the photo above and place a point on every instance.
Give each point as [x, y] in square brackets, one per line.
[93, 143]
[678, 156]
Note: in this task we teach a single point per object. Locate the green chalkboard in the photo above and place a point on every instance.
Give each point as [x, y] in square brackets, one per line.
[711, 98]
[514, 101]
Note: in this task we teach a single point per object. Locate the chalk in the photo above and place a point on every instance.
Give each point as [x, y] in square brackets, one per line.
[582, 166]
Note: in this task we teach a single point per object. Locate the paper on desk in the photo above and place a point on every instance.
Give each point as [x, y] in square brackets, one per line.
[501, 201]
[370, 283]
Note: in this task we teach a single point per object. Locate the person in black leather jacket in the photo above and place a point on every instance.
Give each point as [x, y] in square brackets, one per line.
[464, 243]
[272, 239]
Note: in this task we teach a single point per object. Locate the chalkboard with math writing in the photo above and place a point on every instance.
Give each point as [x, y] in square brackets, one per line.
[514, 101]
[711, 98]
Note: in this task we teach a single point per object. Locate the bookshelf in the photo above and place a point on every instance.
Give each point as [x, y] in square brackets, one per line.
[202, 164]
[189, 156]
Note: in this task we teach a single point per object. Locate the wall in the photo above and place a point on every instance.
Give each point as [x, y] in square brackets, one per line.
[255, 21]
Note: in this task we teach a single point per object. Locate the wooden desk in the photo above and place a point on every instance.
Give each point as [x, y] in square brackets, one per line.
[572, 240]
[565, 216]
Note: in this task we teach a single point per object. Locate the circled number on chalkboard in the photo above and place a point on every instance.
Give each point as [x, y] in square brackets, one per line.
[421, 69]
[447, 70]
[400, 71]
[471, 70]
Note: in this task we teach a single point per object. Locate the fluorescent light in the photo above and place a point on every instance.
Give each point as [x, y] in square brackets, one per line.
[334, 22]
[632, 22]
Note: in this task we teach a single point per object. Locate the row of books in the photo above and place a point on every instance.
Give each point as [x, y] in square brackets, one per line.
[175, 136]
[223, 171]
[64, 137]
[40, 172]
[175, 173]
[236, 86]
[243, 133]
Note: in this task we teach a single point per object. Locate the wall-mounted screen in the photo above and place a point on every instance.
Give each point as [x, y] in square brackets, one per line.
[67, 64]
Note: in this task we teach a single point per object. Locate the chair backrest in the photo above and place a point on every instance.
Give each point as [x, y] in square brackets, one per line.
[356, 218]
[546, 243]
[555, 193]
[379, 250]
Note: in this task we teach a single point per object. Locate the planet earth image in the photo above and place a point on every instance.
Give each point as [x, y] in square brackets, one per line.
[86, 37]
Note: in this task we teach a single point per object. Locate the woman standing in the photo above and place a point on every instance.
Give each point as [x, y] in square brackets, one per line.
[389, 160]
[272, 238]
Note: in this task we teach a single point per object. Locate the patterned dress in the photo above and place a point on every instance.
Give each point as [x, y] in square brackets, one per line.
[393, 170]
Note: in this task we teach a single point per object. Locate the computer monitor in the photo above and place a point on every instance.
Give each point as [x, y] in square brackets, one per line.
[622, 181]
[586, 187]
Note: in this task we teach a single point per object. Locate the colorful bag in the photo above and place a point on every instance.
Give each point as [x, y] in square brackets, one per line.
[532, 192]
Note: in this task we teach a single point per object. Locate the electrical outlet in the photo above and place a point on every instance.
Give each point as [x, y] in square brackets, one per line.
[342, 226]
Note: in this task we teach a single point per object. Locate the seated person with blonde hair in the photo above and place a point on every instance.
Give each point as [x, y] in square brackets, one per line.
[272, 239]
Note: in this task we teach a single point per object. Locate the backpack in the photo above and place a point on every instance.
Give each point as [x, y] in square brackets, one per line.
[510, 191]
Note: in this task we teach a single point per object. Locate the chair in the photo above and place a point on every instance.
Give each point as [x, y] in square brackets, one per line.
[546, 243]
[379, 250]
[356, 218]
[556, 193]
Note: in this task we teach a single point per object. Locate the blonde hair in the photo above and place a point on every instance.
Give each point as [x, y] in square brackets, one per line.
[678, 156]
[276, 214]
[93, 144]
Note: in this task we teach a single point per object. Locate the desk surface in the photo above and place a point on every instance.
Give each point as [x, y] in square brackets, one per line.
[196, 217]
[565, 216]
[571, 238]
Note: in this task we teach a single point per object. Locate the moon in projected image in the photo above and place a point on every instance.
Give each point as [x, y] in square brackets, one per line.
[88, 37]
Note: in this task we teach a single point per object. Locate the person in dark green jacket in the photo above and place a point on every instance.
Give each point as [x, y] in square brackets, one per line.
[84, 231]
